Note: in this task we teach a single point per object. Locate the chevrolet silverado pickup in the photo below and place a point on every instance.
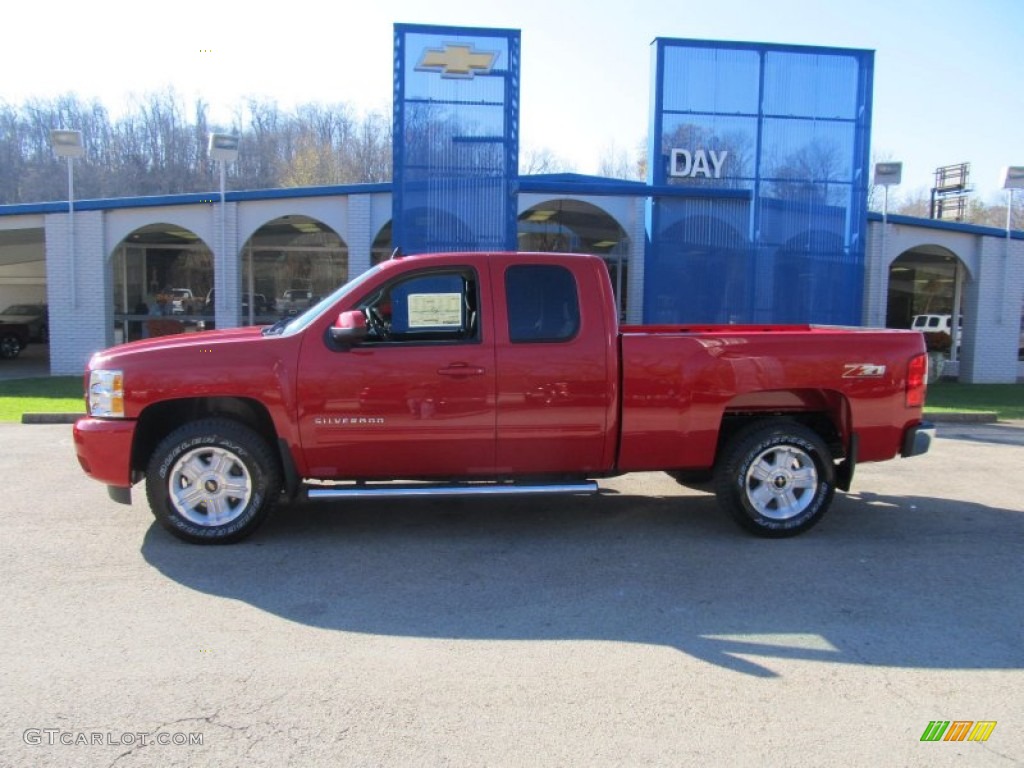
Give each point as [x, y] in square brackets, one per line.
[494, 374]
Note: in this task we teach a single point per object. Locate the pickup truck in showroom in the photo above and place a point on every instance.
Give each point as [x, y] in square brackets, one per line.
[494, 374]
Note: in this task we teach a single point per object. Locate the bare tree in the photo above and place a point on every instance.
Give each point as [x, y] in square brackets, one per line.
[619, 163]
[916, 202]
[805, 174]
[542, 160]
[159, 146]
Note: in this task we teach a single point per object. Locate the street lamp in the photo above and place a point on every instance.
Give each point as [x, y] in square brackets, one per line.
[224, 149]
[1013, 178]
[69, 144]
[886, 175]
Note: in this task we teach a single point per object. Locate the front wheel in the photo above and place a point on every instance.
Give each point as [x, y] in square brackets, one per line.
[212, 481]
[776, 479]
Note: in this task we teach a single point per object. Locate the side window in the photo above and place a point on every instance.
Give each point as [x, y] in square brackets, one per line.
[428, 306]
[543, 303]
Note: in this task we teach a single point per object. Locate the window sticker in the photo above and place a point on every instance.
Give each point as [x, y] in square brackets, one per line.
[435, 310]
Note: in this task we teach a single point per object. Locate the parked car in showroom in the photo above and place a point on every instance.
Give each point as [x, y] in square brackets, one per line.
[183, 302]
[35, 316]
[261, 307]
[296, 300]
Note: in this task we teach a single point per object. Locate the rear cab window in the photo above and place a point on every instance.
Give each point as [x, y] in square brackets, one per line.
[543, 303]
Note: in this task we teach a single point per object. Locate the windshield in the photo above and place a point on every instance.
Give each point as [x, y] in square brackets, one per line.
[293, 325]
[22, 309]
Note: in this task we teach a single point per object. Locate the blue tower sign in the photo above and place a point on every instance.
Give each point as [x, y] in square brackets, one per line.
[456, 138]
[759, 169]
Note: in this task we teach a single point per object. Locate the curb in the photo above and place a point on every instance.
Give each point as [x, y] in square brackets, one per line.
[963, 417]
[50, 418]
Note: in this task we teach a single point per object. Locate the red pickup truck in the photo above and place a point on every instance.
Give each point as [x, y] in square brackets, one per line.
[492, 374]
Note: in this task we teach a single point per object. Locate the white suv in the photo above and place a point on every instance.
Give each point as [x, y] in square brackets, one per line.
[933, 324]
[296, 300]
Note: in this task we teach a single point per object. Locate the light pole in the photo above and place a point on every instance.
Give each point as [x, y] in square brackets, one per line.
[224, 149]
[886, 175]
[69, 144]
[1012, 178]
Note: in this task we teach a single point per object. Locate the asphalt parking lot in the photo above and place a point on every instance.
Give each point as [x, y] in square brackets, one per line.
[640, 628]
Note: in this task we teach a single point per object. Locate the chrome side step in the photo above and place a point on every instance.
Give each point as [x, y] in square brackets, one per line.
[422, 490]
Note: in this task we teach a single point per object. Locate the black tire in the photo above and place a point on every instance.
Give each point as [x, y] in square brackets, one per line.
[10, 347]
[776, 478]
[212, 481]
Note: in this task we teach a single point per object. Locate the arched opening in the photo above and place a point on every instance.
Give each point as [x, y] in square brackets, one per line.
[381, 249]
[574, 226]
[288, 265]
[161, 274]
[23, 292]
[926, 294]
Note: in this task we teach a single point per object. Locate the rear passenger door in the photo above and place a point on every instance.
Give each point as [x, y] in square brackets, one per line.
[555, 388]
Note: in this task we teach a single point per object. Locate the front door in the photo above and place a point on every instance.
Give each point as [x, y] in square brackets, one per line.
[416, 397]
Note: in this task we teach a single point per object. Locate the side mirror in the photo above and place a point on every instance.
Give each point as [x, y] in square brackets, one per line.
[350, 327]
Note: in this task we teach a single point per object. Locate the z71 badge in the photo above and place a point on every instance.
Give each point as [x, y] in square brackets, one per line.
[863, 371]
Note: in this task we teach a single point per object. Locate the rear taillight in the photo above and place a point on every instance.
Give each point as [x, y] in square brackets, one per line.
[917, 381]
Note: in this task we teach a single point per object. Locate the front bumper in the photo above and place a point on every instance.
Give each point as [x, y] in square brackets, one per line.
[918, 439]
[104, 449]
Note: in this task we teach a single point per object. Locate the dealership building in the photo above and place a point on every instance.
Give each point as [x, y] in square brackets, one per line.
[754, 211]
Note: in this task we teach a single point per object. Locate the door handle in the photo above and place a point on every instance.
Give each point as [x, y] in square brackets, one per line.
[461, 369]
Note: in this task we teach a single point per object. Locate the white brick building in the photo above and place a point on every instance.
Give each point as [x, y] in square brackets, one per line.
[87, 307]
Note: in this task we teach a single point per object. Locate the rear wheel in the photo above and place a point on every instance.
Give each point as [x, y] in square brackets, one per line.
[776, 478]
[212, 481]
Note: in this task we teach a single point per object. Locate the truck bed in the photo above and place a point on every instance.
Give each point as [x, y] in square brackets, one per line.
[679, 383]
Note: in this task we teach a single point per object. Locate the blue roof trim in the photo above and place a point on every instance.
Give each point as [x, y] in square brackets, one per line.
[559, 183]
[948, 226]
[580, 184]
[194, 198]
[15, 209]
[324, 191]
[581, 178]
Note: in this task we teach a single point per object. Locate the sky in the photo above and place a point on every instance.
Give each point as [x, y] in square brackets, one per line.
[948, 85]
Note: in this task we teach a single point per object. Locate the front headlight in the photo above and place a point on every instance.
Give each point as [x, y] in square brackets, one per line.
[106, 394]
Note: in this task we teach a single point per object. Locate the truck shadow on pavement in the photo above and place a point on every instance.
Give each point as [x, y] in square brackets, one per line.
[898, 582]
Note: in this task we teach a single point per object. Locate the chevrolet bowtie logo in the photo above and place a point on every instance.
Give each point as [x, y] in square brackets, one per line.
[457, 61]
